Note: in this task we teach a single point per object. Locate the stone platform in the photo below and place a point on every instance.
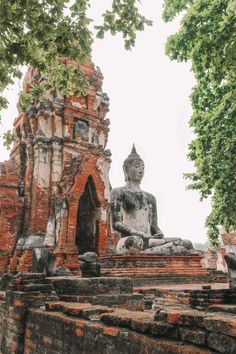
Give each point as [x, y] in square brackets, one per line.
[85, 328]
[34, 319]
[147, 269]
[197, 296]
[98, 291]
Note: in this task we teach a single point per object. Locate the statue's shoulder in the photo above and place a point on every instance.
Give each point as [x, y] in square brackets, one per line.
[117, 192]
[150, 197]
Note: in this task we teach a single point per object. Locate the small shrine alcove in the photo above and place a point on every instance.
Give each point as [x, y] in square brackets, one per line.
[88, 216]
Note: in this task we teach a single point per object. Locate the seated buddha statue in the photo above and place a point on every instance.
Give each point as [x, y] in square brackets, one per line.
[134, 216]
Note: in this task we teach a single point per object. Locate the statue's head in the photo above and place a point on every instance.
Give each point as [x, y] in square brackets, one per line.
[133, 167]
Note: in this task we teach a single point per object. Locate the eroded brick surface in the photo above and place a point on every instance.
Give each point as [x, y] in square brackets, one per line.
[58, 165]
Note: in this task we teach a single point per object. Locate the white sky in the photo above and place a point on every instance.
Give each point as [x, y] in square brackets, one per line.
[150, 106]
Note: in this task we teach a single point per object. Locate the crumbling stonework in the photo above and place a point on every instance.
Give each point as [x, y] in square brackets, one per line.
[54, 190]
[11, 212]
[54, 213]
[56, 315]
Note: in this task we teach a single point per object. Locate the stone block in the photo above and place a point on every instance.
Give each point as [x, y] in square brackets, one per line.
[161, 329]
[221, 343]
[221, 324]
[195, 336]
[140, 325]
[90, 270]
[192, 319]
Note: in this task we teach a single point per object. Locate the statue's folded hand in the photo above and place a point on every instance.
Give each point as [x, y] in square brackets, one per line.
[138, 233]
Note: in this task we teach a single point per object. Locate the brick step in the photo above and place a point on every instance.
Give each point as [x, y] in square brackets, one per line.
[165, 267]
[151, 265]
[35, 287]
[147, 271]
[150, 261]
[160, 270]
[91, 329]
[133, 302]
[173, 279]
[74, 285]
[85, 310]
[108, 291]
[225, 308]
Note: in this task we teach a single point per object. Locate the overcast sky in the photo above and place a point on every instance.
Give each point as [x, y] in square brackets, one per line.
[149, 106]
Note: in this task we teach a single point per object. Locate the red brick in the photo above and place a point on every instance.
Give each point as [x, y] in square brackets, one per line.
[111, 331]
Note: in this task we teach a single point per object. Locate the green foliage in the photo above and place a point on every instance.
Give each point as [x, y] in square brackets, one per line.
[38, 33]
[207, 37]
[8, 137]
[124, 17]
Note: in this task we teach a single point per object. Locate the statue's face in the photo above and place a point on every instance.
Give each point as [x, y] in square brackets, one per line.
[135, 171]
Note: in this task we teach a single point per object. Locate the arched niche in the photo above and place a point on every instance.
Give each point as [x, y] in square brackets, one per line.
[88, 216]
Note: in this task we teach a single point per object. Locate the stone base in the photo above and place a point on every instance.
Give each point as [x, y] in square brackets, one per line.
[146, 269]
[115, 292]
[86, 328]
[198, 296]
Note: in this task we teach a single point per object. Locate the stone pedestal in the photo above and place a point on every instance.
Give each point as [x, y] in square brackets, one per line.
[155, 269]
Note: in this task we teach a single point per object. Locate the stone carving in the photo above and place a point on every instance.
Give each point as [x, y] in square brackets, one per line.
[88, 257]
[230, 259]
[62, 272]
[43, 261]
[68, 175]
[81, 129]
[134, 215]
[89, 266]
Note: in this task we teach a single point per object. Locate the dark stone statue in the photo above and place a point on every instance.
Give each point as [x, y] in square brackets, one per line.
[134, 215]
[81, 128]
[43, 261]
[89, 266]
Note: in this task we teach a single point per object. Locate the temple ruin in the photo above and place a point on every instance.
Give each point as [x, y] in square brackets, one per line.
[54, 190]
[56, 295]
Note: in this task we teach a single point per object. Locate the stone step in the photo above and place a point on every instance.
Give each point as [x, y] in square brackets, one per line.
[133, 271]
[85, 310]
[108, 332]
[73, 285]
[169, 279]
[35, 287]
[132, 302]
[126, 261]
[189, 326]
[225, 308]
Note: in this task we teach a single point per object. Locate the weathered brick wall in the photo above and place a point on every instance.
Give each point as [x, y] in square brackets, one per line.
[50, 164]
[146, 269]
[34, 321]
[120, 331]
[29, 290]
[10, 212]
[79, 335]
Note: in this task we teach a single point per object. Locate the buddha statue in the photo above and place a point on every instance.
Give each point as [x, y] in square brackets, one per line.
[134, 216]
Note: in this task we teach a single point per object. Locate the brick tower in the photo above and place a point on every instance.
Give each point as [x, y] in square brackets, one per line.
[54, 190]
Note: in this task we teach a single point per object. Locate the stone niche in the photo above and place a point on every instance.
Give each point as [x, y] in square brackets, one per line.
[55, 190]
